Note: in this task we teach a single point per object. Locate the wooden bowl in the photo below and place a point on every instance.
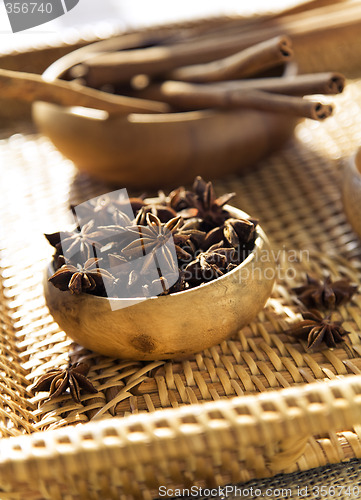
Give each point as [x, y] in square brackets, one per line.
[171, 326]
[351, 191]
[151, 151]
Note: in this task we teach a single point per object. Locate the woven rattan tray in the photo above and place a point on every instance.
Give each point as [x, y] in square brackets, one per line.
[254, 406]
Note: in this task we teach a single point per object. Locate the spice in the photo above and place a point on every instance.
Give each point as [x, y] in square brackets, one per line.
[239, 231]
[156, 236]
[327, 294]
[247, 62]
[205, 205]
[104, 207]
[208, 265]
[170, 243]
[78, 279]
[79, 241]
[317, 329]
[194, 96]
[58, 380]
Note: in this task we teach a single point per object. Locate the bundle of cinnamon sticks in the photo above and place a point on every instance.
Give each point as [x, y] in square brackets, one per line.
[169, 74]
[224, 66]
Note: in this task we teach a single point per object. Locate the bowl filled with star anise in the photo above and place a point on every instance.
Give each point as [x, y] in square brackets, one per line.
[153, 278]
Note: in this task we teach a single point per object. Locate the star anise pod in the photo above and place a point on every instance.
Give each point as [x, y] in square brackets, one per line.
[81, 241]
[239, 231]
[103, 207]
[181, 199]
[327, 294]
[156, 236]
[206, 205]
[163, 212]
[80, 278]
[208, 265]
[58, 380]
[213, 237]
[317, 329]
[116, 234]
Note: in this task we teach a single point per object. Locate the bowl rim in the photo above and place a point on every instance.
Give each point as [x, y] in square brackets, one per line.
[259, 241]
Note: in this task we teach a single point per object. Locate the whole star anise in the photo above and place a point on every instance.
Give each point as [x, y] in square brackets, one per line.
[101, 208]
[204, 204]
[156, 236]
[81, 241]
[317, 329]
[180, 199]
[58, 380]
[80, 278]
[239, 231]
[116, 234]
[328, 294]
[209, 265]
[163, 212]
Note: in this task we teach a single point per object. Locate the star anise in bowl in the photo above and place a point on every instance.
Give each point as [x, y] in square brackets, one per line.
[81, 278]
[203, 203]
[181, 261]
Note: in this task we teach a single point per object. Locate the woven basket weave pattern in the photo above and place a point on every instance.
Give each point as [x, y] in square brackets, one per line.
[296, 196]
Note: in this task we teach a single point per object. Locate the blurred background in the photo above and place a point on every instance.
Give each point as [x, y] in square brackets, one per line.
[106, 17]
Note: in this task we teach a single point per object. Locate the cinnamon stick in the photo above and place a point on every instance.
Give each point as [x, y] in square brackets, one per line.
[29, 87]
[123, 42]
[298, 85]
[120, 67]
[188, 96]
[245, 63]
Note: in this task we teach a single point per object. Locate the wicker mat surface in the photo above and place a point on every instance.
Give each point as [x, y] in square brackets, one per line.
[342, 481]
[296, 196]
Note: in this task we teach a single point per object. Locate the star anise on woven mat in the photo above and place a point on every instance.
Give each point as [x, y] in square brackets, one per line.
[327, 294]
[58, 380]
[318, 329]
[87, 278]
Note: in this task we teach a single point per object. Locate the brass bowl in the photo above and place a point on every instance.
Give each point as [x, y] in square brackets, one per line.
[146, 151]
[351, 191]
[171, 326]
